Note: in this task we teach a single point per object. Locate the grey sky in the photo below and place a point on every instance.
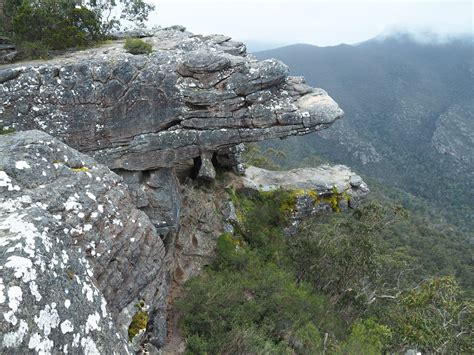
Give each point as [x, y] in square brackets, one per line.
[319, 22]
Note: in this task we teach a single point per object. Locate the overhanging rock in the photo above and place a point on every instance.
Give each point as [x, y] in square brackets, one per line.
[192, 95]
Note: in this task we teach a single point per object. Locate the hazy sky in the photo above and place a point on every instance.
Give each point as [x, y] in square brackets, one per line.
[320, 22]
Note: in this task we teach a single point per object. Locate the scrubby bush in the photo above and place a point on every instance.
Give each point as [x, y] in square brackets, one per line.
[137, 46]
[247, 304]
[56, 25]
[34, 50]
[61, 24]
[337, 287]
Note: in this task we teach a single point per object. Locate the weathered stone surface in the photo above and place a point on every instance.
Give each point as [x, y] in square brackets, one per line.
[193, 94]
[203, 220]
[316, 190]
[206, 168]
[76, 254]
[231, 158]
[156, 192]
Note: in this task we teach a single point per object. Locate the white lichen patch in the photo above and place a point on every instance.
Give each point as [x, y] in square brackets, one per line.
[21, 164]
[34, 291]
[87, 290]
[72, 205]
[15, 296]
[92, 322]
[91, 196]
[22, 268]
[103, 307]
[76, 340]
[67, 327]
[40, 345]
[14, 339]
[65, 257]
[48, 319]
[89, 346]
[5, 181]
[21, 230]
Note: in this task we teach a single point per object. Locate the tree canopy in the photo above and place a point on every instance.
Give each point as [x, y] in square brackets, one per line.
[61, 24]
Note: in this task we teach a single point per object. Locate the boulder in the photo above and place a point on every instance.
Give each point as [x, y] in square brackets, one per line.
[76, 254]
[313, 190]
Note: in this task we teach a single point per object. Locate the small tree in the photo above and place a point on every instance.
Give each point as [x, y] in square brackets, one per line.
[60, 24]
[434, 318]
[112, 12]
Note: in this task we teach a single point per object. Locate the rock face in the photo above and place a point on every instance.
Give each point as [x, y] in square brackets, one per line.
[84, 250]
[76, 253]
[315, 190]
[194, 94]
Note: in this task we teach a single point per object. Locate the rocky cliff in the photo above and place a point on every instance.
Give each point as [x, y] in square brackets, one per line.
[194, 94]
[89, 254]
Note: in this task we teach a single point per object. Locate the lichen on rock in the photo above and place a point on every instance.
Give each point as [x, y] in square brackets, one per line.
[309, 191]
[79, 243]
[75, 250]
[192, 95]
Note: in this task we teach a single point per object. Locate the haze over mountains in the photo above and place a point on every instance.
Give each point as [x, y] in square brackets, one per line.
[409, 110]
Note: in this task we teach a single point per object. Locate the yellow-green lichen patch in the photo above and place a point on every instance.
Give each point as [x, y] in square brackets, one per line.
[70, 274]
[335, 199]
[6, 130]
[82, 168]
[139, 321]
[289, 204]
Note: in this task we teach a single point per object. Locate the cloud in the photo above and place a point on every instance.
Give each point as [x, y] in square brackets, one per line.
[319, 22]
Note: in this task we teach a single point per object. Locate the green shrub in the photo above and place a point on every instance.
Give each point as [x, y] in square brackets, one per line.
[137, 46]
[56, 25]
[367, 337]
[220, 306]
[263, 220]
[42, 25]
[230, 254]
[33, 50]
[195, 345]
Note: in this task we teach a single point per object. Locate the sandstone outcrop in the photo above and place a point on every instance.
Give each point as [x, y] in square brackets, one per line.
[115, 239]
[193, 94]
[76, 253]
[315, 190]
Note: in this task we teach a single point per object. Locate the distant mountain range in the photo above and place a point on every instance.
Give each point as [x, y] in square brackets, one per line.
[409, 114]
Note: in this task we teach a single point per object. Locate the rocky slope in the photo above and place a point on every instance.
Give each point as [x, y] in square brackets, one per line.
[89, 254]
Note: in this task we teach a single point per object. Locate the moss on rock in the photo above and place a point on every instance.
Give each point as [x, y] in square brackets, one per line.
[139, 321]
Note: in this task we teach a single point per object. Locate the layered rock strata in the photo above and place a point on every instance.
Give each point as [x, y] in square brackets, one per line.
[115, 241]
[76, 253]
[193, 94]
